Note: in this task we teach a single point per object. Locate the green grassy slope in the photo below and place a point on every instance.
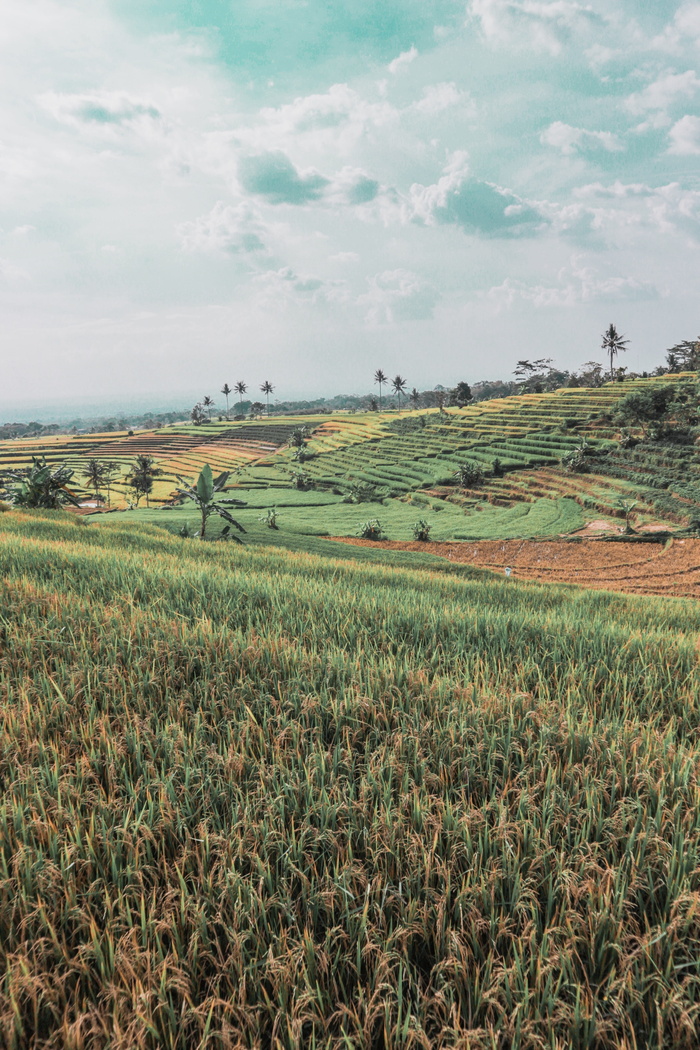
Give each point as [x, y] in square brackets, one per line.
[257, 798]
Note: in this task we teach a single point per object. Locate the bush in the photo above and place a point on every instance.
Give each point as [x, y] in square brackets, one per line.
[497, 468]
[270, 518]
[469, 475]
[421, 530]
[371, 530]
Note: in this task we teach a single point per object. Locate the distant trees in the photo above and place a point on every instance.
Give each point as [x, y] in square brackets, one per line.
[534, 377]
[414, 397]
[197, 415]
[461, 395]
[207, 403]
[226, 391]
[613, 344]
[684, 357]
[257, 408]
[380, 378]
[267, 388]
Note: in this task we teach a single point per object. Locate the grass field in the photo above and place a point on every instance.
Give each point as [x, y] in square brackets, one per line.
[257, 798]
[324, 514]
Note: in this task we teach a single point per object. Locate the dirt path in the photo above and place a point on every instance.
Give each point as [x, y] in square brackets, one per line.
[636, 568]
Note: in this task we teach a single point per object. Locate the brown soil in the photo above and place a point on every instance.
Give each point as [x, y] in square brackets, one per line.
[636, 568]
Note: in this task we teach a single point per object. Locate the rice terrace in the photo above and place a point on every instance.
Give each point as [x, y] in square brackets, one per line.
[415, 763]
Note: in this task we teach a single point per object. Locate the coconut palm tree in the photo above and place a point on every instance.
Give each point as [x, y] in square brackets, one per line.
[414, 397]
[226, 390]
[267, 389]
[110, 474]
[240, 388]
[380, 378]
[94, 474]
[612, 343]
[208, 402]
[398, 384]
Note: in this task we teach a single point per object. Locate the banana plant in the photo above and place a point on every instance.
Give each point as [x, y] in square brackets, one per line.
[202, 494]
[42, 486]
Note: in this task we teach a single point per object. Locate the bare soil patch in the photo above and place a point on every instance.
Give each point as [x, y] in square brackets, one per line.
[635, 568]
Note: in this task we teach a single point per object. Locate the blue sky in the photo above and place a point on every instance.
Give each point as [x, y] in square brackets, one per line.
[304, 191]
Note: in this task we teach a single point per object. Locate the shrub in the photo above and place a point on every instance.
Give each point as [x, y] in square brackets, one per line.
[270, 518]
[469, 475]
[497, 468]
[421, 530]
[371, 530]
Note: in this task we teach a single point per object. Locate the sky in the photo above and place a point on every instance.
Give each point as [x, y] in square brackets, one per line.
[195, 192]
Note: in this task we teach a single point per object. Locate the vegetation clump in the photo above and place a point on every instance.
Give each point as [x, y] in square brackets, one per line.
[370, 530]
[421, 530]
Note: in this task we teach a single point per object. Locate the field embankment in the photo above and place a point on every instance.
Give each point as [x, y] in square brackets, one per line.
[671, 568]
[252, 798]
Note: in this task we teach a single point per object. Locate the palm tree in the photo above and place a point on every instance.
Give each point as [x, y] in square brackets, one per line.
[380, 378]
[94, 474]
[226, 390]
[398, 384]
[110, 473]
[612, 343]
[207, 402]
[267, 389]
[415, 397]
[240, 388]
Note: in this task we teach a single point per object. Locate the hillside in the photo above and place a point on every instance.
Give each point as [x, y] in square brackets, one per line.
[467, 815]
[401, 467]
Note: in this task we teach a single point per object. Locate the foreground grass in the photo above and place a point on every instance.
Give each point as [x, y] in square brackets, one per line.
[257, 798]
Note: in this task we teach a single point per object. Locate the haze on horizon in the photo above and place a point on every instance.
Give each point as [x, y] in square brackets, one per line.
[302, 193]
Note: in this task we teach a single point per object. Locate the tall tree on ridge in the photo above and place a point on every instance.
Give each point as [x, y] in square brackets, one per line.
[612, 343]
[240, 388]
[226, 390]
[267, 389]
[380, 378]
[208, 402]
[415, 397]
[398, 384]
[94, 474]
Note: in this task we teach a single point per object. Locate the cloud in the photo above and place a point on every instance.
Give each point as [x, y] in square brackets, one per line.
[684, 137]
[226, 229]
[398, 295]
[103, 110]
[658, 98]
[404, 59]
[274, 177]
[280, 289]
[478, 207]
[439, 97]
[570, 140]
[576, 284]
[10, 274]
[683, 31]
[543, 24]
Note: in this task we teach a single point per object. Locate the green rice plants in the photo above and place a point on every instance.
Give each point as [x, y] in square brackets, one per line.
[370, 529]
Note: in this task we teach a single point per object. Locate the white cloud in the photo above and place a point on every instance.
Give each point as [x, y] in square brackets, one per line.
[570, 140]
[398, 295]
[284, 288]
[684, 137]
[404, 59]
[226, 229]
[543, 24]
[10, 273]
[682, 31]
[439, 97]
[576, 284]
[104, 111]
[658, 98]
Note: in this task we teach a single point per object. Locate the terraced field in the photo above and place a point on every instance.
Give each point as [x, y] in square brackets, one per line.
[671, 569]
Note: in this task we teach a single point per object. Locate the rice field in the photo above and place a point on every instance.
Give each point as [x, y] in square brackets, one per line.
[254, 798]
